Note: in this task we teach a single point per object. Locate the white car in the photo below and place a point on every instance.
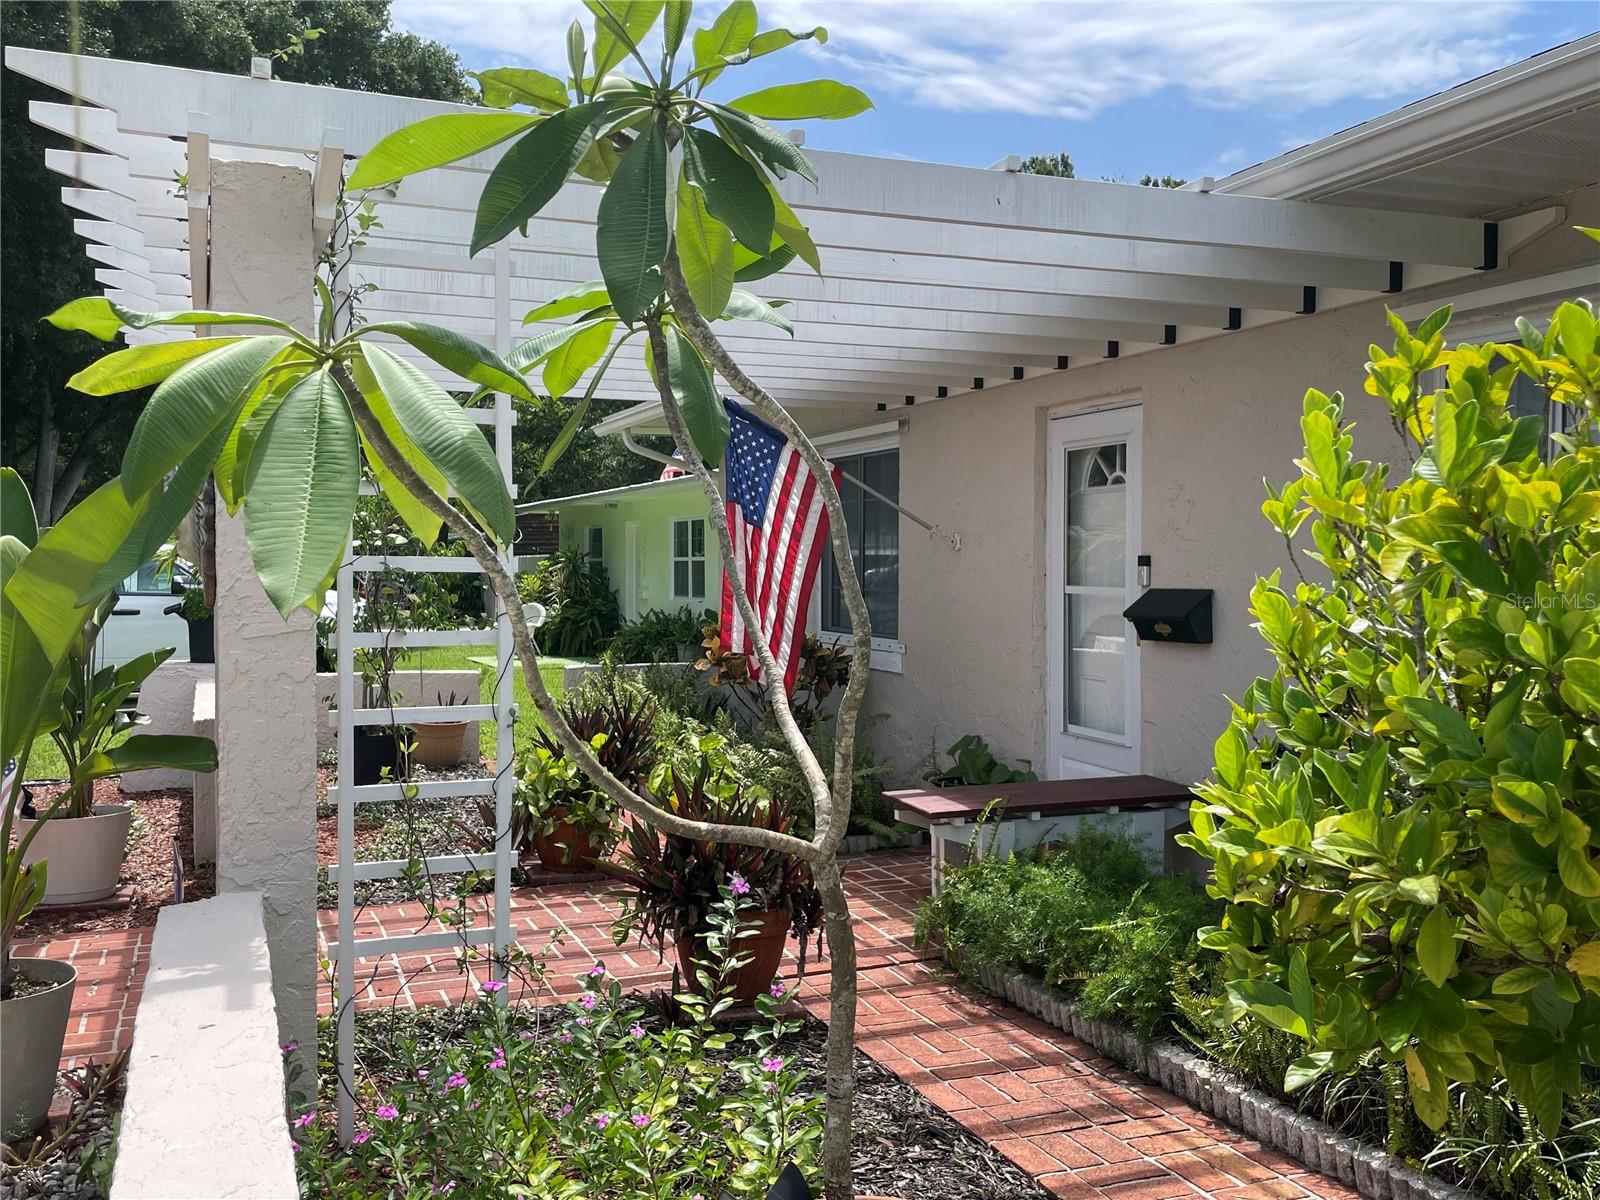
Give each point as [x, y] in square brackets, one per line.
[139, 621]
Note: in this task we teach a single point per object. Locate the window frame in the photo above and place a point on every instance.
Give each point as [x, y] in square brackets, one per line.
[888, 654]
[592, 533]
[690, 558]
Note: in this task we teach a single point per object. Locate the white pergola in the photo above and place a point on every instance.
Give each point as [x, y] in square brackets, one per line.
[940, 279]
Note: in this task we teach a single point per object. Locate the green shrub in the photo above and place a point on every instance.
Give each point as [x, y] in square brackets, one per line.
[657, 636]
[1402, 820]
[581, 613]
[1087, 915]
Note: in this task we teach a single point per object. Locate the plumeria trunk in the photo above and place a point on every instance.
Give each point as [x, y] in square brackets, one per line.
[832, 804]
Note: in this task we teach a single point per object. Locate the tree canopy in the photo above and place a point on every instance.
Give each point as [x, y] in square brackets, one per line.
[64, 440]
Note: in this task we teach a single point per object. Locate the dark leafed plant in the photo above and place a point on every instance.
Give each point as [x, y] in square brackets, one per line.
[1403, 819]
[623, 719]
[674, 882]
[690, 207]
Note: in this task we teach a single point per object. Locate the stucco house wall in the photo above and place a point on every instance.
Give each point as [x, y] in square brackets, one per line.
[1218, 416]
[652, 510]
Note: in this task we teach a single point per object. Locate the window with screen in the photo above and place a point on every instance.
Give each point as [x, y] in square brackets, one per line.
[874, 530]
[595, 546]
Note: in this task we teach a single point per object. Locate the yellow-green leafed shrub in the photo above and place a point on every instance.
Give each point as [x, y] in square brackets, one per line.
[1403, 819]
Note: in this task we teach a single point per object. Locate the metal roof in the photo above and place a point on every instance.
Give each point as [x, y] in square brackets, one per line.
[940, 279]
[612, 495]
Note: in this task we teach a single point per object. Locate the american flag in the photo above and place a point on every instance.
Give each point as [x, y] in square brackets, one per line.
[779, 529]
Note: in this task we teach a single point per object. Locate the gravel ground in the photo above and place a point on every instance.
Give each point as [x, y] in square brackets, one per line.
[402, 830]
[74, 1159]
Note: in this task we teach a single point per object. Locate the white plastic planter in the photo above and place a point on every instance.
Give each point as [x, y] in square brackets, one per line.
[84, 853]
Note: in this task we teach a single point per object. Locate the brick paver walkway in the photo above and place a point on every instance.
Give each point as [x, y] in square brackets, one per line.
[1086, 1128]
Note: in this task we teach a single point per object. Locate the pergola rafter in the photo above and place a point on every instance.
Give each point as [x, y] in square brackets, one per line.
[938, 276]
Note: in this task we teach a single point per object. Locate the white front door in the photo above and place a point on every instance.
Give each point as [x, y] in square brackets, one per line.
[1092, 531]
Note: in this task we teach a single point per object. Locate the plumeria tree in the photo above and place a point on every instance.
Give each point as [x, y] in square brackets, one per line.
[285, 420]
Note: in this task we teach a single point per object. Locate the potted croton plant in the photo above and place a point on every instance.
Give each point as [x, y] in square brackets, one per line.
[558, 814]
[674, 882]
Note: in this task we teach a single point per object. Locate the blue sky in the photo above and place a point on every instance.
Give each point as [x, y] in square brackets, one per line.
[1197, 88]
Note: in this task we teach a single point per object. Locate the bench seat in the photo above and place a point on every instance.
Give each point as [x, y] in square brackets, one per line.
[1026, 814]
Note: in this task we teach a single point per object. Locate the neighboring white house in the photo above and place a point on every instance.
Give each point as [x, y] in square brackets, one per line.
[1060, 376]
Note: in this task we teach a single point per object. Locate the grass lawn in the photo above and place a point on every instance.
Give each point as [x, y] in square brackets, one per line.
[46, 763]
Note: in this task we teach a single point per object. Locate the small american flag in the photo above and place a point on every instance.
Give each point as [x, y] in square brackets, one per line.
[779, 529]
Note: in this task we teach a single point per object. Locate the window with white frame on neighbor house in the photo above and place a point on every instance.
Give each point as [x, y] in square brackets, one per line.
[594, 545]
[689, 559]
[874, 544]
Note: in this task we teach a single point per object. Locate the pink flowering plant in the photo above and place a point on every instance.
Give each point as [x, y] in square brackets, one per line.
[596, 1098]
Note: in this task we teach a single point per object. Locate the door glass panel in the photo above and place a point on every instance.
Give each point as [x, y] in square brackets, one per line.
[1096, 666]
[1097, 500]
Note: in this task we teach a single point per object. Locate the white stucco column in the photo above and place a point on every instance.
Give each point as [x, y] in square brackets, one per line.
[262, 259]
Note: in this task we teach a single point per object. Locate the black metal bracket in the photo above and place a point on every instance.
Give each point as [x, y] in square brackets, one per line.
[1235, 319]
[1308, 301]
[1016, 372]
[943, 393]
[1113, 349]
[911, 399]
[1169, 335]
[1397, 277]
[1491, 245]
[1061, 362]
[977, 383]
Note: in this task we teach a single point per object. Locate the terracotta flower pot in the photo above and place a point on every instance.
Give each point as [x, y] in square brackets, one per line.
[32, 1028]
[764, 949]
[439, 742]
[85, 853]
[567, 847]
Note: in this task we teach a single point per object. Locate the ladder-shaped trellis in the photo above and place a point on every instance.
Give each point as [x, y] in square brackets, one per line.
[498, 422]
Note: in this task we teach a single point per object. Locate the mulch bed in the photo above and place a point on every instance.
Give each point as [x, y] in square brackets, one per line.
[904, 1144]
[147, 870]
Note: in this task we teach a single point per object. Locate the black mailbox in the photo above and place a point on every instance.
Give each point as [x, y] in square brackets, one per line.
[1172, 615]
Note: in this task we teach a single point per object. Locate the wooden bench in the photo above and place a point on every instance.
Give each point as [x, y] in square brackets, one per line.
[1029, 813]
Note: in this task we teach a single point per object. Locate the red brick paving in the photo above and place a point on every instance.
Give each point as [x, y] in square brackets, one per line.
[1083, 1126]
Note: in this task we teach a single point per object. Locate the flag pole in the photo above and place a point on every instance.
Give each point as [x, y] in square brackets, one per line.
[954, 539]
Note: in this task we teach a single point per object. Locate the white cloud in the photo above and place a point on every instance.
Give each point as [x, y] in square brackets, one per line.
[1066, 59]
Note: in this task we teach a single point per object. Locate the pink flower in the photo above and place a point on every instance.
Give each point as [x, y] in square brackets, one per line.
[637, 1031]
[564, 1038]
[564, 1111]
[640, 1120]
[422, 1072]
[289, 1047]
[597, 970]
[587, 1001]
[602, 1120]
[492, 985]
[777, 991]
[499, 1059]
[305, 1119]
[740, 886]
[386, 1112]
[456, 1080]
[360, 1136]
[584, 1021]
[774, 1064]
[294, 1146]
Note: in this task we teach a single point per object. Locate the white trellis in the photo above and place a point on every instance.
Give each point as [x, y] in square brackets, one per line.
[498, 422]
